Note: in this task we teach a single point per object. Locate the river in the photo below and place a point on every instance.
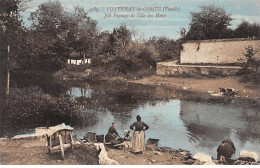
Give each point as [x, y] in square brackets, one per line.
[197, 126]
[193, 126]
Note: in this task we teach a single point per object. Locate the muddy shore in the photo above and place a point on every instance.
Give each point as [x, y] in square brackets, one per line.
[33, 151]
[192, 89]
[248, 91]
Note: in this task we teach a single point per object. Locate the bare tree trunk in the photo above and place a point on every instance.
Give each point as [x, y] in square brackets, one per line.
[8, 73]
[8, 82]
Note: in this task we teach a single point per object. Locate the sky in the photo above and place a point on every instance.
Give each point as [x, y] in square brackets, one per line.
[176, 16]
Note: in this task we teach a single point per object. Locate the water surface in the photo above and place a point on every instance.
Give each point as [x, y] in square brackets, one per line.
[194, 126]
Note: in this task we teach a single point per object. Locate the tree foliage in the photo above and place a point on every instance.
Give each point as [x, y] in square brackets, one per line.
[11, 30]
[123, 55]
[49, 36]
[12, 35]
[83, 31]
[168, 49]
[210, 23]
[119, 39]
[55, 33]
[246, 29]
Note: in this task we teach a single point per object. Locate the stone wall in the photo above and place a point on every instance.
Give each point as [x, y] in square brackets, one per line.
[173, 69]
[220, 51]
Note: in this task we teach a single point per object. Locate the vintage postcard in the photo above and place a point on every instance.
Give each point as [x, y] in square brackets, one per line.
[129, 82]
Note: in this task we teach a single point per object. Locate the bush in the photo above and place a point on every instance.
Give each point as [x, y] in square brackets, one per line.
[137, 58]
[251, 61]
[253, 78]
[168, 49]
[31, 108]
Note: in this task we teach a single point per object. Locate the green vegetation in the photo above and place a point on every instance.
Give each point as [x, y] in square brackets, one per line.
[56, 32]
[31, 108]
[212, 23]
[249, 71]
[250, 63]
[124, 55]
[246, 29]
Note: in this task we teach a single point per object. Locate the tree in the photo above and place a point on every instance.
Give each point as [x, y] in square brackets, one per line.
[140, 55]
[83, 31]
[49, 36]
[167, 48]
[119, 54]
[210, 23]
[56, 33]
[250, 60]
[103, 44]
[182, 32]
[120, 38]
[11, 36]
[246, 29]
[10, 31]
[114, 50]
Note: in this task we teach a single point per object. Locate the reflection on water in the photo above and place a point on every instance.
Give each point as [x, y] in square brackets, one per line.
[80, 92]
[198, 127]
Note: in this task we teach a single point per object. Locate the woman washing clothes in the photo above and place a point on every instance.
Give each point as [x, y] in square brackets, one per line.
[138, 144]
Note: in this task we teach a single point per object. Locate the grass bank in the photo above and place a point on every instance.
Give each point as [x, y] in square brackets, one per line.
[27, 108]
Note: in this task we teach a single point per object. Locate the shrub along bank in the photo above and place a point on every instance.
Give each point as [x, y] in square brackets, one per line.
[31, 107]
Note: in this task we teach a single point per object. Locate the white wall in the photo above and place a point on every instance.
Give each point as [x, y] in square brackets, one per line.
[225, 51]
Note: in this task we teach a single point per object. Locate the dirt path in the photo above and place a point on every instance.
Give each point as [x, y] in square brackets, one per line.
[248, 91]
